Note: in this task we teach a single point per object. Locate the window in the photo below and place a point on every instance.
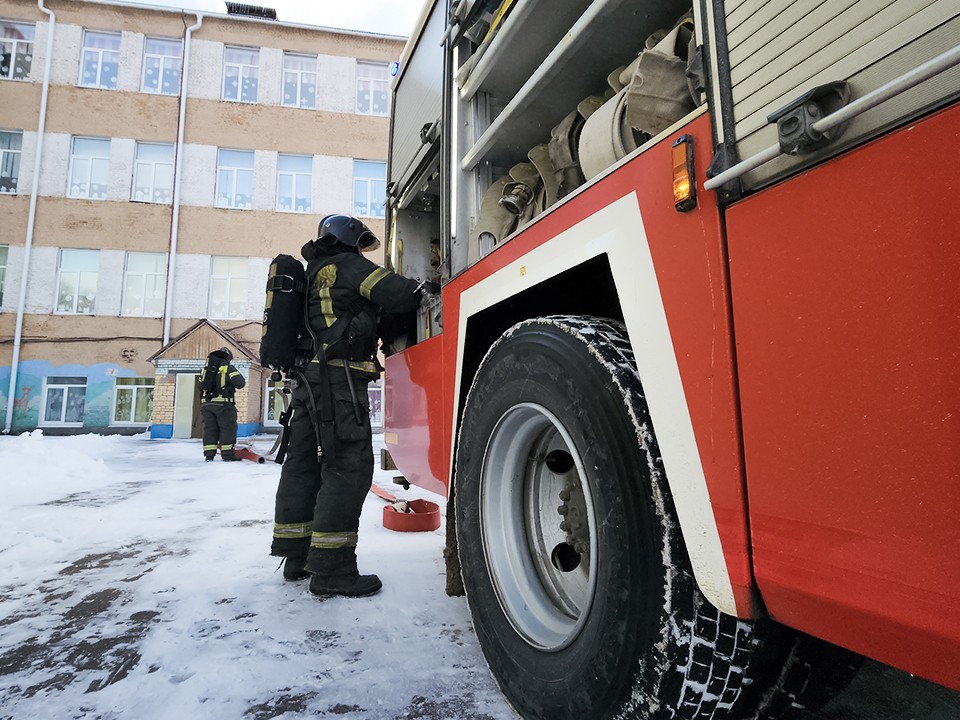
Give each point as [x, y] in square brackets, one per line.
[300, 80]
[294, 183]
[228, 288]
[375, 396]
[274, 403]
[89, 165]
[240, 68]
[100, 60]
[77, 281]
[161, 66]
[143, 284]
[63, 400]
[16, 50]
[235, 178]
[373, 89]
[10, 145]
[3, 269]
[369, 188]
[153, 173]
[132, 401]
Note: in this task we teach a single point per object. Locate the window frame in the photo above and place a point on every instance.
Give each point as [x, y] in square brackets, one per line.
[369, 183]
[230, 280]
[233, 170]
[135, 389]
[84, 49]
[91, 158]
[271, 390]
[14, 43]
[42, 420]
[79, 279]
[294, 176]
[178, 58]
[155, 164]
[17, 155]
[298, 101]
[374, 83]
[241, 66]
[4, 262]
[160, 276]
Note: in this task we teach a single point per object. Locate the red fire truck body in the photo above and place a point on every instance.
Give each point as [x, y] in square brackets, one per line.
[796, 342]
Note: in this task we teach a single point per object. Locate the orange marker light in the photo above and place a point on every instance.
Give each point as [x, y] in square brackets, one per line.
[684, 180]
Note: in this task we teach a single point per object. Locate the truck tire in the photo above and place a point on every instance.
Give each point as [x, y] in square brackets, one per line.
[575, 571]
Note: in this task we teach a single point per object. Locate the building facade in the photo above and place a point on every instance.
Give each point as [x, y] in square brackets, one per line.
[151, 165]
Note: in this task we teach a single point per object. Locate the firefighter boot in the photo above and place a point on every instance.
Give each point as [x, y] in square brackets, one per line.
[294, 568]
[335, 573]
[209, 456]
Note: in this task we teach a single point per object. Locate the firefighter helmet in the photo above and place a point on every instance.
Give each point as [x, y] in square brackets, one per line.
[347, 231]
[221, 354]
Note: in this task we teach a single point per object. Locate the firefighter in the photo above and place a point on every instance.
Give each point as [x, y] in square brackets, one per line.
[219, 381]
[319, 498]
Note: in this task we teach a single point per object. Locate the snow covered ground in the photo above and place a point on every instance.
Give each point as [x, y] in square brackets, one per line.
[135, 583]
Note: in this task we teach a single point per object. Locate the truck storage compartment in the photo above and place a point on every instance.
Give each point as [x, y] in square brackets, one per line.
[543, 96]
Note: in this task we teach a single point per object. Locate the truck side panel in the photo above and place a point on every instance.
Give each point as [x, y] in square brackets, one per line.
[846, 298]
[686, 293]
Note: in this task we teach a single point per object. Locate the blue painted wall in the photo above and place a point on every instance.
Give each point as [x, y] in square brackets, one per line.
[164, 431]
[98, 403]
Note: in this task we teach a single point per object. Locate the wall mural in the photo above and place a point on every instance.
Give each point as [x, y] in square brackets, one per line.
[82, 393]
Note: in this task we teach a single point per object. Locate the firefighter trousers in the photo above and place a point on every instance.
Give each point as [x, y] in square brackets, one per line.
[318, 501]
[219, 426]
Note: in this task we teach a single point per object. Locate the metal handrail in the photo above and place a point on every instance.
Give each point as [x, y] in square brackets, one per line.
[889, 90]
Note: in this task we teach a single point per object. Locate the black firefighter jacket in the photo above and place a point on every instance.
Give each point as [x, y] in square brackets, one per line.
[346, 294]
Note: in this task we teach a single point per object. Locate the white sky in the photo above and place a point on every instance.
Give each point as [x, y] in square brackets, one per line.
[389, 17]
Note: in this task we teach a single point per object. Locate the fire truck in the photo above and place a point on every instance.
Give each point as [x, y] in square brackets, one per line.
[691, 385]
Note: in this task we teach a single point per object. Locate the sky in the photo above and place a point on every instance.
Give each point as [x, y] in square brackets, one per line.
[136, 583]
[388, 17]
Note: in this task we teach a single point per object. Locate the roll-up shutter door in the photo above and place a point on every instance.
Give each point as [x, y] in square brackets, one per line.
[779, 49]
[418, 96]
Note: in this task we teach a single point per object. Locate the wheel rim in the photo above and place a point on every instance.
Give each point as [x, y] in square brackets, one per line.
[532, 481]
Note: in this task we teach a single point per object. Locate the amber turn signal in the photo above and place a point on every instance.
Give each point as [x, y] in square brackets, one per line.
[684, 180]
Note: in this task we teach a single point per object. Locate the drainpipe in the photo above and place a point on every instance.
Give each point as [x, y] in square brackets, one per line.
[31, 221]
[178, 166]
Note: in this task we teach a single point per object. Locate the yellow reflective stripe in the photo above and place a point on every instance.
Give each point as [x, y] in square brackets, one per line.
[219, 399]
[271, 274]
[226, 447]
[326, 278]
[234, 373]
[209, 447]
[223, 375]
[330, 540]
[366, 287]
[361, 365]
[292, 530]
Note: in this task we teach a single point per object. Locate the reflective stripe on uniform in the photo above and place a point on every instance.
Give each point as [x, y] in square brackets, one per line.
[361, 365]
[226, 447]
[292, 530]
[219, 399]
[209, 447]
[331, 540]
[234, 373]
[326, 277]
[366, 287]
